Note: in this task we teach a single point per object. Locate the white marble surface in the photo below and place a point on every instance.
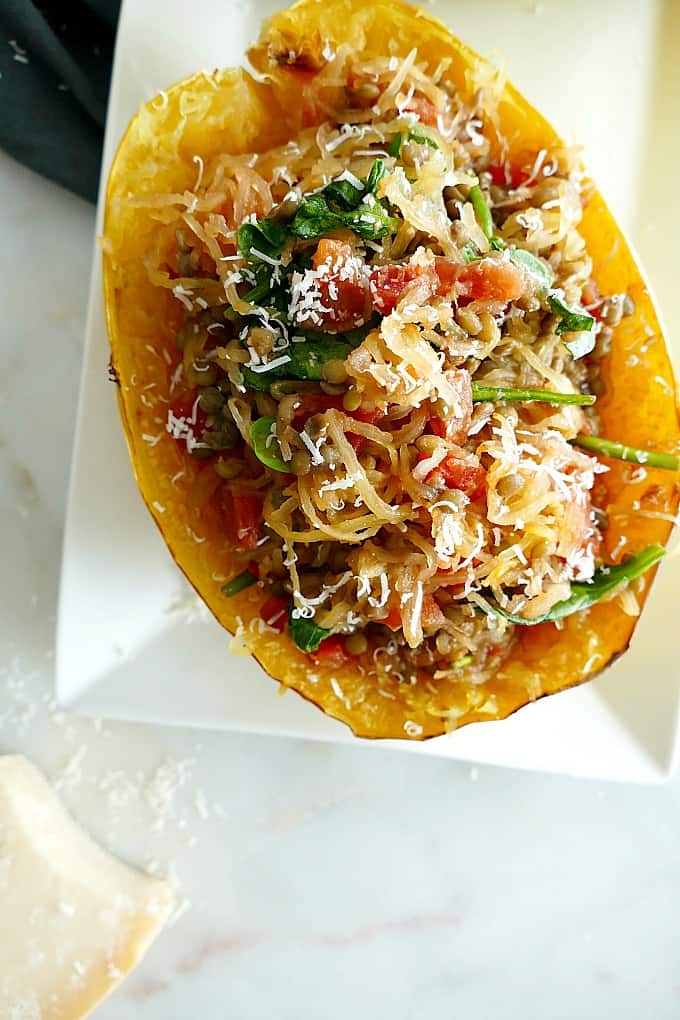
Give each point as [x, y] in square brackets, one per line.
[319, 880]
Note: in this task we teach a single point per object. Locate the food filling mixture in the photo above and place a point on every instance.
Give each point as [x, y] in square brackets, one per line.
[390, 355]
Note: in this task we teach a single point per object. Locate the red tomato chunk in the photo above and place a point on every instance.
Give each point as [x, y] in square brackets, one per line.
[274, 612]
[453, 473]
[332, 652]
[342, 287]
[490, 280]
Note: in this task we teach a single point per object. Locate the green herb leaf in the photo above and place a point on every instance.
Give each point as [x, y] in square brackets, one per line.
[421, 139]
[585, 594]
[375, 175]
[238, 583]
[619, 451]
[267, 236]
[529, 396]
[394, 148]
[264, 291]
[579, 348]
[306, 362]
[351, 336]
[572, 320]
[343, 204]
[306, 634]
[482, 211]
[266, 445]
[533, 265]
[314, 218]
[470, 253]
[342, 195]
[464, 660]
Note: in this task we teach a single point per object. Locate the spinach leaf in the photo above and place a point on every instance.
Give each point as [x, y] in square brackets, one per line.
[375, 175]
[421, 139]
[394, 148]
[306, 634]
[351, 336]
[585, 594]
[266, 445]
[470, 253]
[255, 295]
[306, 361]
[572, 320]
[343, 204]
[580, 347]
[266, 236]
[266, 289]
[342, 195]
[314, 218]
[537, 267]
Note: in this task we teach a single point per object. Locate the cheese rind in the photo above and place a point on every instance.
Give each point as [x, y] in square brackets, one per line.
[75, 919]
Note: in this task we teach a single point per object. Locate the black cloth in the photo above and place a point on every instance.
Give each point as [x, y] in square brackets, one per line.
[55, 66]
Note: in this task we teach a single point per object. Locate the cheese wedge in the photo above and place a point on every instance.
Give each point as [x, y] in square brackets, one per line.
[75, 920]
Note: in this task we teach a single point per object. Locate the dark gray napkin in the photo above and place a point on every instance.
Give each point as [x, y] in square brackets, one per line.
[55, 66]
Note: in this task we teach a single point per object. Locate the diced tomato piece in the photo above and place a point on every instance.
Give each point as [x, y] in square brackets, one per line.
[368, 415]
[497, 173]
[393, 619]
[425, 111]
[592, 298]
[590, 295]
[274, 612]
[516, 173]
[387, 284]
[455, 426]
[431, 615]
[246, 519]
[454, 473]
[467, 478]
[447, 274]
[332, 652]
[490, 280]
[342, 286]
[509, 175]
[185, 406]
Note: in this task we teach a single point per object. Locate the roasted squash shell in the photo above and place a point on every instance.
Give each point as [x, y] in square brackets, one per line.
[233, 111]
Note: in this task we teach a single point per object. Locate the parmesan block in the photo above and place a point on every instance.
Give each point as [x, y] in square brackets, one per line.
[75, 920]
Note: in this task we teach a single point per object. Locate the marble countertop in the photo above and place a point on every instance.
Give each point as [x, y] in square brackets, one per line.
[316, 880]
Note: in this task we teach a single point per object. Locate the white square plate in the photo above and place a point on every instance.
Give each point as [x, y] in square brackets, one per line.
[131, 646]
